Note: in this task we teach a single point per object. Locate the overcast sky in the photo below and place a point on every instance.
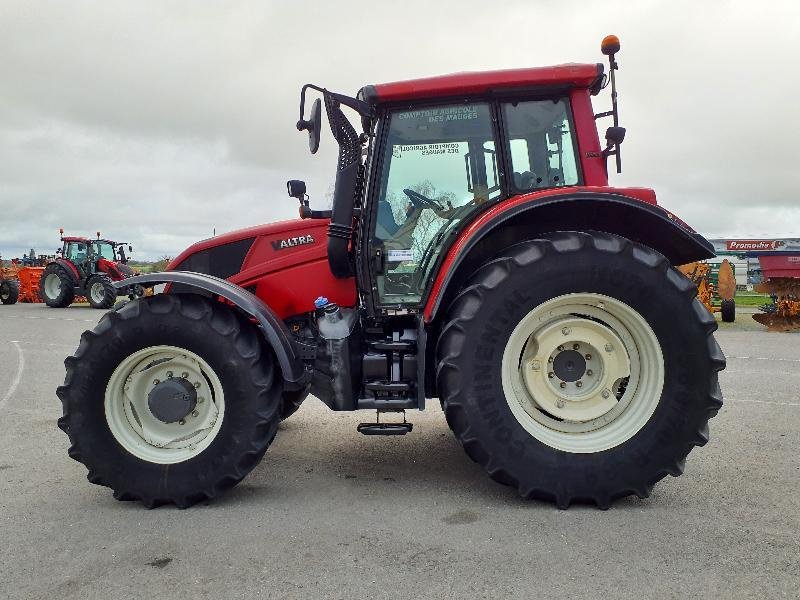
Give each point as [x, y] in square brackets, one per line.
[155, 122]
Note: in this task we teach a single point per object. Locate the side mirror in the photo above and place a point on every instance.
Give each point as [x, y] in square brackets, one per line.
[313, 126]
[296, 189]
[615, 135]
[130, 248]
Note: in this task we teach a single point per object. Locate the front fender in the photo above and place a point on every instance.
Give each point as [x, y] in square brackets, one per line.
[273, 329]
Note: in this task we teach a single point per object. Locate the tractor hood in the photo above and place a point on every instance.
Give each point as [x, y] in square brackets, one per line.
[284, 263]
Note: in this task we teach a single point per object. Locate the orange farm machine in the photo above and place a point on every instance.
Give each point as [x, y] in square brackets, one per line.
[19, 278]
[781, 280]
[722, 286]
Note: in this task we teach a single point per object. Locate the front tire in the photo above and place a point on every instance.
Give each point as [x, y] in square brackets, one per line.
[56, 287]
[134, 438]
[9, 291]
[101, 292]
[632, 382]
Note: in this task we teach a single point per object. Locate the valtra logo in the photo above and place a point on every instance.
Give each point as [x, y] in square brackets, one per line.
[754, 244]
[291, 242]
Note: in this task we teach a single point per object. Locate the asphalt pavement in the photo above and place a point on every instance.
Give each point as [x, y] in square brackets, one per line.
[330, 513]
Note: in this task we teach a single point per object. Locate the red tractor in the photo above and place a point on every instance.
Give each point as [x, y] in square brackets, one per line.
[474, 253]
[87, 267]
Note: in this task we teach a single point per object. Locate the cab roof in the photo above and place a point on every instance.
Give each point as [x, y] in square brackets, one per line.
[481, 82]
[85, 240]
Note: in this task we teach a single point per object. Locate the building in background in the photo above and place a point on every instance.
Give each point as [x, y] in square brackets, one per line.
[744, 253]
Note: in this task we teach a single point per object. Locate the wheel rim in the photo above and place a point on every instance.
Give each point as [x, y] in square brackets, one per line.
[138, 429]
[97, 293]
[52, 286]
[583, 372]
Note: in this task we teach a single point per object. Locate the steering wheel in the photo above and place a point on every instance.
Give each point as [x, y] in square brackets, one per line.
[421, 201]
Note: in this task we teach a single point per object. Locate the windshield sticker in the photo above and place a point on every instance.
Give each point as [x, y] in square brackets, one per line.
[399, 255]
[441, 115]
[427, 149]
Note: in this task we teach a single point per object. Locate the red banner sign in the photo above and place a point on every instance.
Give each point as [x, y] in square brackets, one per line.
[749, 245]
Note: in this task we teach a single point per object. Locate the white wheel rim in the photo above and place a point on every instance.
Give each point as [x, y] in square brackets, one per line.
[595, 411]
[52, 286]
[97, 292]
[138, 430]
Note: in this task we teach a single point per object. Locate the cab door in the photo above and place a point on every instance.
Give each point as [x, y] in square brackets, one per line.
[439, 166]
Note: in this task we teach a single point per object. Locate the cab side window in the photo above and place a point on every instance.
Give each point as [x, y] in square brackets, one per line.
[541, 143]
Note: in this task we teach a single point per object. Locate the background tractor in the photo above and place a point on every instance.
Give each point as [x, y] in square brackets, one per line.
[87, 267]
[475, 253]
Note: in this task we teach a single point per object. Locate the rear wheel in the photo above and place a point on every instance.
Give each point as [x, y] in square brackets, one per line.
[171, 399]
[56, 287]
[9, 291]
[728, 310]
[579, 368]
[101, 292]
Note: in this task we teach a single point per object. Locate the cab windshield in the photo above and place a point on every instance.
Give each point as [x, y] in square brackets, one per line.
[104, 249]
[440, 166]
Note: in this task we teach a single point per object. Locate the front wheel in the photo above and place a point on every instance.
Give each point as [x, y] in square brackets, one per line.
[171, 399]
[579, 368]
[101, 292]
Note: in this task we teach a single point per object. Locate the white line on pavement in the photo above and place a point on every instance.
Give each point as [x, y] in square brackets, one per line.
[797, 360]
[50, 318]
[736, 401]
[17, 377]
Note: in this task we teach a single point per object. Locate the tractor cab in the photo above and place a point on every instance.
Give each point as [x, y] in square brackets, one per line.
[440, 152]
[442, 164]
[79, 252]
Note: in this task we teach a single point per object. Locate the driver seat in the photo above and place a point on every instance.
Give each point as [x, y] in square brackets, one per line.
[386, 227]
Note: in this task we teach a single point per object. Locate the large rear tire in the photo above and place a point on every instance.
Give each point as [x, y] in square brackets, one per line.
[171, 399]
[56, 287]
[100, 292]
[579, 368]
[9, 291]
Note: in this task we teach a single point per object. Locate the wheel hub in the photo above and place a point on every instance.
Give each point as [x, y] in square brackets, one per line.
[569, 365]
[164, 404]
[568, 371]
[52, 286]
[172, 400]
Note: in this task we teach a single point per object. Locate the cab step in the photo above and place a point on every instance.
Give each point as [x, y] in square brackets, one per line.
[385, 428]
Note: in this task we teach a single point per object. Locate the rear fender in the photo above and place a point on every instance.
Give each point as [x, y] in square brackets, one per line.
[274, 330]
[69, 268]
[628, 217]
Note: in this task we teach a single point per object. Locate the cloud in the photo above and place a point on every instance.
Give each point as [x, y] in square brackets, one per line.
[157, 122]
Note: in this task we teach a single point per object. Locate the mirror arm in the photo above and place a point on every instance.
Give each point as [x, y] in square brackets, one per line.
[307, 213]
[362, 108]
[612, 150]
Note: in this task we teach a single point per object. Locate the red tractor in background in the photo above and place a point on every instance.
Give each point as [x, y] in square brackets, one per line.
[474, 253]
[87, 267]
